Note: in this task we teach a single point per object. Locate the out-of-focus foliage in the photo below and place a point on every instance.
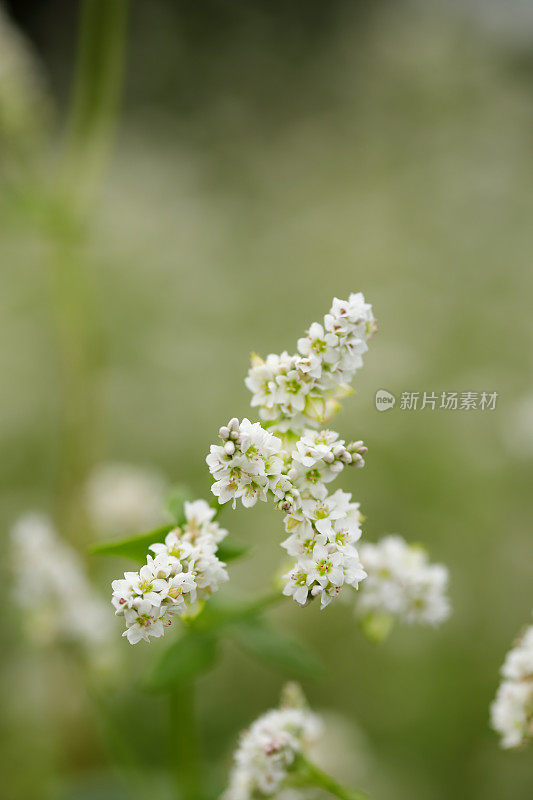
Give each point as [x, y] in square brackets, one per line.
[25, 104]
[267, 159]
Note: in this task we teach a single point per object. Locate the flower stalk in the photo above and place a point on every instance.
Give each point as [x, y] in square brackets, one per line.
[308, 774]
[89, 129]
[184, 748]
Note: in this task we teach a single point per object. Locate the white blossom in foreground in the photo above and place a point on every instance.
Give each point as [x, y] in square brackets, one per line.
[248, 465]
[268, 751]
[52, 589]
[183, 569]
[295, 395]
[512, 710]
[322, 537]
[401, 582]
[122, 499]
[297, 391]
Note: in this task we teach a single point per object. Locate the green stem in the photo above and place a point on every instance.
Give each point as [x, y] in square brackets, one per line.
[184, 748]
[95, 97]
[94, 107]
[308, 774]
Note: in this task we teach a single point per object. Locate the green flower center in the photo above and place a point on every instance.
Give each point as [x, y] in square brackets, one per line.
[323, 567]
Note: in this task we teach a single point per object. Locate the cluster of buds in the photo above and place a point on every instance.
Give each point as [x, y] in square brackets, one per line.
[249, 464]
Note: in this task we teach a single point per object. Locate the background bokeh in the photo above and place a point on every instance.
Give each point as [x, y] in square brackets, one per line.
[269, 156]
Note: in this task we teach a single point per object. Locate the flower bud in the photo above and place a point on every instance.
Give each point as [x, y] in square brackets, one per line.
[229, 448]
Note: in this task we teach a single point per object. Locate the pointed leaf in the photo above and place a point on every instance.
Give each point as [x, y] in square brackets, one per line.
[230, 549]
[276, 649]
[134, 547]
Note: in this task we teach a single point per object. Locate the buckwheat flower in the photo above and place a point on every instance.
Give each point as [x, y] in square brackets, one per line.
[299, 581]
[512, 709]
[401, 582]
[318, 458]
[322, 535]
[123, 499]
[248, 465]
[320, 344]
[200, 523]
[268, 752]
[143, 621]
[302, 390]
[324, 513]
[185, 568]
[352, 317]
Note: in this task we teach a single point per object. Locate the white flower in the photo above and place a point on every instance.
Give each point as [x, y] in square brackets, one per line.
[512, 710]
[295, 394]
[319, 344]
[52, 589]
[299, 581]
[403, 583]
[318, 458]
[323, 514]
[268, 750]
[322, 536]
[143, 621]
[301, 390]
[124, 499]
[248, 465]
[185, 569]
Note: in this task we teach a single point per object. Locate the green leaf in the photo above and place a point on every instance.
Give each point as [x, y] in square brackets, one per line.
[376, 627]
[230, 549]
[134, 547]
[276, 649]
[185, 659]
[177, 498]
[220, 612]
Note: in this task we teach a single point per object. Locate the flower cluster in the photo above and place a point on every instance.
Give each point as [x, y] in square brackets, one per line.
[295, 394]
[297, 391]
[512, 710]
[52, 589]
[268, 751]
[183, 569]
[402, 583]
[322, 536]
[123, 498]
[248, 465]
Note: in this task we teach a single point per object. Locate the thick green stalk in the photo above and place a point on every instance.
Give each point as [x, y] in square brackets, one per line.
[184, 748]
[94, 106]
[95, 97]
[308, 774]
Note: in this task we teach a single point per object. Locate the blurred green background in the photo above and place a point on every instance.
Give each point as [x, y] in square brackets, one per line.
[269, 156]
